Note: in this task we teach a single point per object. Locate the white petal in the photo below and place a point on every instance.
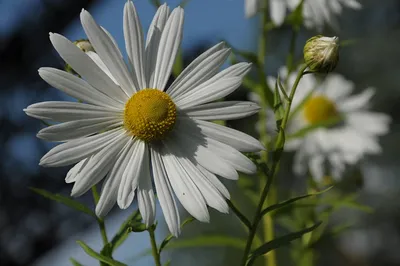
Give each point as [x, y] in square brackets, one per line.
[213, 163]
[74, 171]
[226, 110]
[337, 166]
[226, 152]
[186, 191]
[77, 88]
[369, 122]
[108, 52]
[134, 43]
[238, 140]
[98, 166]
[145, 193]
[69, 111]
[317, 168]
[153, 40]
[210, 194]
[209, 92]
[236, 159]
[215, 181]
[109, 190]
[278, 11]
[353, 4]
[251, 7]
[201, 69]
[86, 67]
[96, 58]
[130, 177]
[168, 48]
[78, 128]
[164, 193]
[336, 87]
[235, 71]
[356, 102]
[75, 150]
[300, 162]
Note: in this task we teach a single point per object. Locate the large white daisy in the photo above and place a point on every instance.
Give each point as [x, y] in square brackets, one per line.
[315, 12]
[352, 132]
[132, 130]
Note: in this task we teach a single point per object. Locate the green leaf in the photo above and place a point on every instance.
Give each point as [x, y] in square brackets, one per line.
[278, 105]
[99, 257]
[75, 262]
[209, 241]
[290, 201]
[184, 3]
[305, 130]
[64, 200]
[132, 223]
[296, 17]
[279, 242]
[170, 236]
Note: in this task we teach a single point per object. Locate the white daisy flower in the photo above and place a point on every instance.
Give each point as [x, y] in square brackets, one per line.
[133, 130]
[352, 133]
[315, 12]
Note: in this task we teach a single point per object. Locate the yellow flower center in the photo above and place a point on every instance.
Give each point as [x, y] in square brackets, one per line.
[150, 115]
[318, 109]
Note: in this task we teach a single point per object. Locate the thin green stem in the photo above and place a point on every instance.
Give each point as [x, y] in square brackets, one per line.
[292, 50]
[100, 221]
[154, 248]
[272, 172]
[240, 215]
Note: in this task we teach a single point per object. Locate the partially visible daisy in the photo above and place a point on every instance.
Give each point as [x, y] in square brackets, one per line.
[353, 130]
[315, 12]
[132, 130]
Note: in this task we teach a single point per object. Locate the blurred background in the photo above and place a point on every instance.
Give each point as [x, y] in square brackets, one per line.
[36, 231]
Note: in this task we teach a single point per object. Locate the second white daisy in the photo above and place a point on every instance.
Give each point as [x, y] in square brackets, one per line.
[352, 130]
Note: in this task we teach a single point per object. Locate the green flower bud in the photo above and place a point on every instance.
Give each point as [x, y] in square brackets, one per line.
[85, 46]
[321, 53]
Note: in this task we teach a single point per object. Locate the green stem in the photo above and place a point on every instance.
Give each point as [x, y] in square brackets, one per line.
[154, 248]
[272, 173]
[292, 51]
[100, 221]
[240, 215]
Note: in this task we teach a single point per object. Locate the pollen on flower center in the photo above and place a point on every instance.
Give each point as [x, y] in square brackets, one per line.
[150, 115]
[319, 109]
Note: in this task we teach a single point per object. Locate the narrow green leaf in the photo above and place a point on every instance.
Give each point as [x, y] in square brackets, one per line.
[75, 262]
[132, 223]
[279, 242]
[170, 236]
[326, 123]
[296, 17]
[278, 105]
[184, 3]
[64, 200]
[239, 214]
[290, 201]
[168, 263]
[209, 241]
[99, 257]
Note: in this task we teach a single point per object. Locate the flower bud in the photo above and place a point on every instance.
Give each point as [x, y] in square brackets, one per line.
[321, 53]
[84, 45]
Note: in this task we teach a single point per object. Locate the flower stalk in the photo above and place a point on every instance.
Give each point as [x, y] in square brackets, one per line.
[272, 172]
